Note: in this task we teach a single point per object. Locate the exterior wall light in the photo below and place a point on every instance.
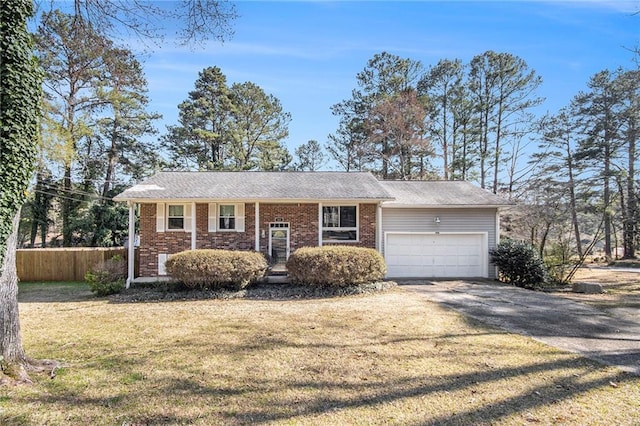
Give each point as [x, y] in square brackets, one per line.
[437, 220]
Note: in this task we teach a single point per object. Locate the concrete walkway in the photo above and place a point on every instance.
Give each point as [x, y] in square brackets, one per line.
[551, 319]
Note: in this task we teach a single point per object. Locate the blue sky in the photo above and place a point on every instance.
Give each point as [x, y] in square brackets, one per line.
[308, 53]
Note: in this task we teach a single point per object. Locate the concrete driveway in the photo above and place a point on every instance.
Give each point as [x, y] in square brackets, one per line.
[551, 319]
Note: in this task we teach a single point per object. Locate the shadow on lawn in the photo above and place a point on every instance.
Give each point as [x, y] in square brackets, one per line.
[316, 397]
[262, 400]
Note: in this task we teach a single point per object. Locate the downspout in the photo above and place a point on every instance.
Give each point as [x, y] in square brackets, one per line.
[131, 244]
[194, 228]
[257, 226]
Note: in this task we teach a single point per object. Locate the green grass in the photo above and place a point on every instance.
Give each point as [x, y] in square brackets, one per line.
[391, 358]
[53, 291]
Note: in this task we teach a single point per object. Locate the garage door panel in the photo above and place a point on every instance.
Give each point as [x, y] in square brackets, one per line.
[434, 255]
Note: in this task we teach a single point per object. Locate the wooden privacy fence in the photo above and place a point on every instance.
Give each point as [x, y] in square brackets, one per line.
[62, 264]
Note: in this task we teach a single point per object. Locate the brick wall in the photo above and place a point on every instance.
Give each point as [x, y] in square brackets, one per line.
[225, 239]
[303, 228]
[153, 243]
[302, 219]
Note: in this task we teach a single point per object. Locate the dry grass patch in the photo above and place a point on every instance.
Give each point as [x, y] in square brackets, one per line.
[622, 291]
[391, 358]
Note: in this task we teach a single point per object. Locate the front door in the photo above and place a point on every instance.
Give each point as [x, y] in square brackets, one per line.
[279, 242]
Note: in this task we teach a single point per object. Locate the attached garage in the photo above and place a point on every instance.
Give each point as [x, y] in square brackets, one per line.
[431, 255]
[439, 229]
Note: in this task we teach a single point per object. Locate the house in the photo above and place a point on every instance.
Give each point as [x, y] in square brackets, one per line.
[423, 228]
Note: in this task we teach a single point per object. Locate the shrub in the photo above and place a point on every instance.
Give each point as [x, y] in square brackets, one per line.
[107, 277]
[215, 269]
[337, 266]
[519, 264]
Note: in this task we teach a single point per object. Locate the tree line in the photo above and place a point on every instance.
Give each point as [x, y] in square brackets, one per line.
[98, 134]
[453, 120]
[583, 184]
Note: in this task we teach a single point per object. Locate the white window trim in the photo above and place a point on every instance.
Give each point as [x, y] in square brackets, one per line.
[214, 217]
[234, 217]
[356, 228]
[186, 217]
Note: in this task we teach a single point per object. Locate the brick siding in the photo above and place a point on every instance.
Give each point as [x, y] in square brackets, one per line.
[303, 228]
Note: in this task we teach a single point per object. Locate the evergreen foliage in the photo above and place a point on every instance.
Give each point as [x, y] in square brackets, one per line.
[519, 264]
[228, 128]
[20, 95]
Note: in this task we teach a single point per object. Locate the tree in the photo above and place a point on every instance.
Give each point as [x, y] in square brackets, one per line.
[125, 121]
[73, 56]
[201, 138]
[349, 145]
[20, 96]
[222, 128]
[386, 76]
[555, 162]
[442, 85]
[198, 20]
[21, 93]
[503, 89]
[397, 123]
[629, 83]
[310, 156]
[96, 117]
[258, 125]
[600, 120]
[42, 200]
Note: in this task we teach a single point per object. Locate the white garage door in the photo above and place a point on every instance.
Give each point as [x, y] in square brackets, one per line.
[435, 255]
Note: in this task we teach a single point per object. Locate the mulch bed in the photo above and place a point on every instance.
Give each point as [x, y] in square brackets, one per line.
[261, 291]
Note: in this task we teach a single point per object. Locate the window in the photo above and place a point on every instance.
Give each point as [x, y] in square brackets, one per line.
[175, 216]
[227, 217]
[339, 223]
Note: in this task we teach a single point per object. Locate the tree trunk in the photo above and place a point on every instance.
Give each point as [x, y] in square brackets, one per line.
[67, 208]
[573, 203]
[14, 361]
[630, 226]
[607, 203]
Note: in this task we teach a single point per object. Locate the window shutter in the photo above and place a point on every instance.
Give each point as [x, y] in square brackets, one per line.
[213, 216]
[162, 258]
[187, 218]
[160, 217]
[240, 217]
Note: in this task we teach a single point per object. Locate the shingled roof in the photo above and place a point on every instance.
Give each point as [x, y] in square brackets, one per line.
[257, 186]
[440, 193]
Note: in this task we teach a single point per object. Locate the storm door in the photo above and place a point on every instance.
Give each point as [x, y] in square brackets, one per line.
[279, 242]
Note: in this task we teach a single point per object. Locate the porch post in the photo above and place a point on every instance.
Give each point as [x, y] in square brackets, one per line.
[379, 227]
[194, 228]
[319, 224]
[131, 244]
[257, 226]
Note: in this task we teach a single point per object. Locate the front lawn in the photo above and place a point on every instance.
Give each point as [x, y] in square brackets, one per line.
[389, 358]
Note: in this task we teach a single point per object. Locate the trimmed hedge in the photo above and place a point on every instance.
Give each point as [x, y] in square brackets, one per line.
[214, 269]
[336, 266]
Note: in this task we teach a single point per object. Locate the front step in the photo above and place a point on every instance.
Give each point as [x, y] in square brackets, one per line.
[278, 279]
[277, 274]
